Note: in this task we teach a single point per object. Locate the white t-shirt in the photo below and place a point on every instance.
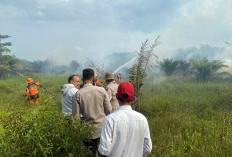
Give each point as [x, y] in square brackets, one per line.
[125, 133]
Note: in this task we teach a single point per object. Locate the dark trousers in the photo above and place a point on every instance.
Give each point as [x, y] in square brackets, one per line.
[93, 145]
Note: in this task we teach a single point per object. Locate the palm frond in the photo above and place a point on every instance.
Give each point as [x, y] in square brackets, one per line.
[142, 64]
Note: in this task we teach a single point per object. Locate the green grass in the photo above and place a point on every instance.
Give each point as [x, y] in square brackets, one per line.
[12, 90]
[185, 118]
[189, 119]
[31, 130]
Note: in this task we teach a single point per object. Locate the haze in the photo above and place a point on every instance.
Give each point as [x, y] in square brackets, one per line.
[71, 29]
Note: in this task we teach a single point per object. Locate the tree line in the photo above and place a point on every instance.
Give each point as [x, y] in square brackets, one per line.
[202, 69]
[10, 65]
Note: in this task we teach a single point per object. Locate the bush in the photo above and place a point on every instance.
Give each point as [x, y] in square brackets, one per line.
[43, 131]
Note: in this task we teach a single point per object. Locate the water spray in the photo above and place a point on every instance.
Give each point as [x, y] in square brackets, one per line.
[227, 43]
[124, 65]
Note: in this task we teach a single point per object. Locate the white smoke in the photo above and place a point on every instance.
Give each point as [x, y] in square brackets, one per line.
[228, 62]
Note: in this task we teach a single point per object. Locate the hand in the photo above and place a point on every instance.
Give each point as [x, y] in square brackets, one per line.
[25, 94]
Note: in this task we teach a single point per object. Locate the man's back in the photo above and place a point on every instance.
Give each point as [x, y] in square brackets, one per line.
[111, 89]
[94, 105]
[125, 133]
[32, 88]
[68, 90]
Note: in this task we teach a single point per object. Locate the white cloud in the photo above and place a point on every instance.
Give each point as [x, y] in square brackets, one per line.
[7, 11]
[201, 22]
[40, 13]
[102, 26]
[78, 48]
[50, 2]
[87, 1]
[64, 0]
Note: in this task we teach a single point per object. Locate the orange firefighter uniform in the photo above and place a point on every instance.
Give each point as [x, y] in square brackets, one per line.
[119, 78]
[98, 83]
[32, 91]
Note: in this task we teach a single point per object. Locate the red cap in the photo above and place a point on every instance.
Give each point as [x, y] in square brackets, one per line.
[126, 91]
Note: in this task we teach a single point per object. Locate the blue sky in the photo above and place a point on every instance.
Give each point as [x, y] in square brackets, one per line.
[75, 29]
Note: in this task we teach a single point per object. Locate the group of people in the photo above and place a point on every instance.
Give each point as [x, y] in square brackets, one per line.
[119, 130]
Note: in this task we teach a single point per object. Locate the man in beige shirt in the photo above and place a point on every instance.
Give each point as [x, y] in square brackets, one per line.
[93, 104]
[111, 89]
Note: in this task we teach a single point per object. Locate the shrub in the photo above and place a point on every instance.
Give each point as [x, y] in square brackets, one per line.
[203, 69]
[169, 66]
[43, 131]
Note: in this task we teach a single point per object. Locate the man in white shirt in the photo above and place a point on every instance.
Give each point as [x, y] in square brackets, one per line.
[125, 133]
[68, 91]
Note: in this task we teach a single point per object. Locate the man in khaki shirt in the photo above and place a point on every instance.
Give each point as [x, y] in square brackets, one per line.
[111, 89]
[93, 104]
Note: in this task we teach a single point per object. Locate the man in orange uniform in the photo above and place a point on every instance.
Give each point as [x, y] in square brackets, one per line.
[32, 90]
[119, 78]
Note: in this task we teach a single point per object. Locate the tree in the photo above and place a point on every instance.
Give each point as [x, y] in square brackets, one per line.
[183, 68]
[98, 68]
[8, 64]
[74, 66]
[204, 70]
[169, 66]
[3, 46]
[143, 63]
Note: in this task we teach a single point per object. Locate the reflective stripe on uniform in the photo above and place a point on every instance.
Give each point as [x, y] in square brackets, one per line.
[30, 87]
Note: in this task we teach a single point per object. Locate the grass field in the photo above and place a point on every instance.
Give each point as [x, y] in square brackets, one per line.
[31, 130]
[185, 118]
[189, 119]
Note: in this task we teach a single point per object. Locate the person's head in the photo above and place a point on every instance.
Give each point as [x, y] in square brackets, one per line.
[95, 79]
[29, 80]
[109, 77]
[88, 76]
[125, 94]
[75, 80]
[95, 76]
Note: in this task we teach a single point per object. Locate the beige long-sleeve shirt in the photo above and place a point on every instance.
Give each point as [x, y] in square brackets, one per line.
[111, 89]
[94, 104]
